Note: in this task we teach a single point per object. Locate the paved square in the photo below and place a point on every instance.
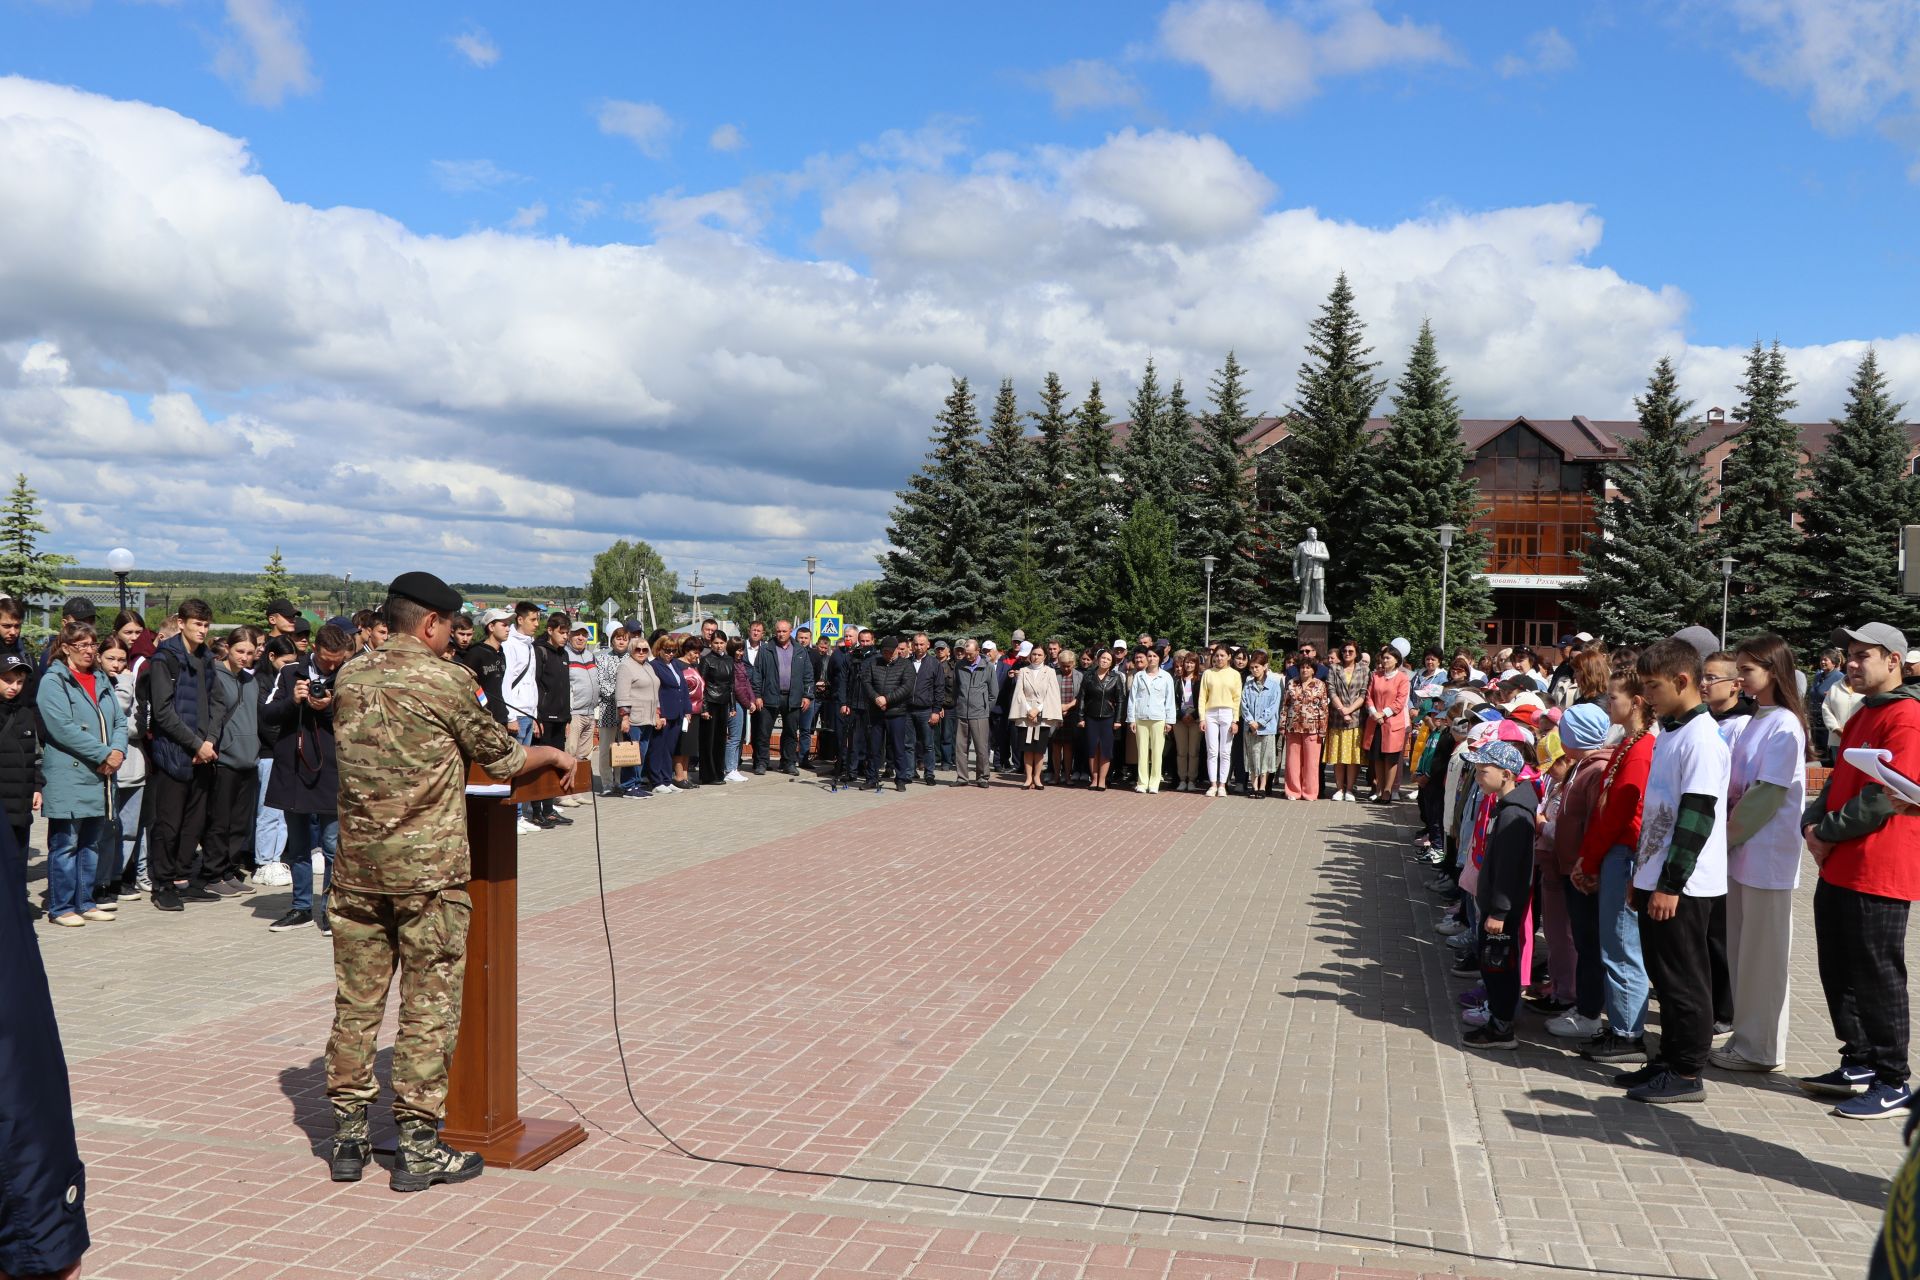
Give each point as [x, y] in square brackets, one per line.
[1231, 1007]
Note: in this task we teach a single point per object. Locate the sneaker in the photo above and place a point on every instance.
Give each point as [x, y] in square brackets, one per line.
[320, 923]
[1473, 996]
[239, 882]
[668, 789]
[1451, 927]
[144, 883]
[1722, 1029]
[198, 893]
[274, 875]
[559, 820]
[69, 921]
[108, 898]
[736, 776]
[1848, 1080]
[1879, 1102]
[224, 889]
[1732, 1060]
[1478, 1016]
[1572, 1026]
[1670, 1087]
[1550, 1005]
[1488, 1037]
[290, 921]
[97, 916]
[1463, 940]
[1639, 1075]
[1611, 1046]
[522, 827]
[167, 898]
[1466, 968]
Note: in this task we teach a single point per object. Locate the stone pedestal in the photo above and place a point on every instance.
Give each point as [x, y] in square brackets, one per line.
[1312, 631]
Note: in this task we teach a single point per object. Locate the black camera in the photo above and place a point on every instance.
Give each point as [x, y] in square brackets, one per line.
[317, 690]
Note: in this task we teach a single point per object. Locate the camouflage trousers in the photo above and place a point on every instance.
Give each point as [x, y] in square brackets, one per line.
[424, 935]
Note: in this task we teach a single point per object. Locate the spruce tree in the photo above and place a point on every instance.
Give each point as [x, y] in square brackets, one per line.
[1030, 604]
[1050, 502]
[1861, 493]
[1002, 491]
[275, 584]
[1152, 465]
[1421, 483]
[931, 578]
[1328, 463]
[1220, 519]
[1137, 586]
[1649, 569]
[1759, 489]
[25, 570]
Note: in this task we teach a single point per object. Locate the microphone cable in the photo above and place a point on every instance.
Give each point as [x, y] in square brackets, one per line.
[1019, 1197]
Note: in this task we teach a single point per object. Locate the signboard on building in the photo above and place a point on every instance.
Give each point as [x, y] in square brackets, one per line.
[1534, 581]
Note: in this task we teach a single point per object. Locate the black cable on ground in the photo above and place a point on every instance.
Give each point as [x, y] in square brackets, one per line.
[613, 980]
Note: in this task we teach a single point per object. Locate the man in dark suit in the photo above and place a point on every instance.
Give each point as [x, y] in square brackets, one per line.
[783, 682]
[888, 694]
[926, 706]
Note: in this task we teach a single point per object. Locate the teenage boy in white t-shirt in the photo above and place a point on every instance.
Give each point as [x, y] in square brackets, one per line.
[1679, 871]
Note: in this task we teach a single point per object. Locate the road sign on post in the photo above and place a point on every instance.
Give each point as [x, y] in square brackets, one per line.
[826, 619]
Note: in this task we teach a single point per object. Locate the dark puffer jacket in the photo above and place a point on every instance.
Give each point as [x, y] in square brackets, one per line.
[20, 773]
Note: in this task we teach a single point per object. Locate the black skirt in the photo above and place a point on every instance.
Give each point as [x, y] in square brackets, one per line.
[1033, 737]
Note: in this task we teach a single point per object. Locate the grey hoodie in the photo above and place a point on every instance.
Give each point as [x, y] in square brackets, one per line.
[240, 736]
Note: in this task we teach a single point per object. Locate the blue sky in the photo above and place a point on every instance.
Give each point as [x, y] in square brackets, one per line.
[896, 195]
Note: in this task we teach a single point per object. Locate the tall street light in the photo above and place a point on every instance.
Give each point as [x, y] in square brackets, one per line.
[1206, 566]
[1446, 532]
[120, 564]
[1726, 589]
[813, 562]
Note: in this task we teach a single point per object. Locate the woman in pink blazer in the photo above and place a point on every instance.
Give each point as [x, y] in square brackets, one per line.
[1385, 735]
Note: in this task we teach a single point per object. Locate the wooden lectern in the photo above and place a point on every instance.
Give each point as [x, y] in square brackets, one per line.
[483, 1101]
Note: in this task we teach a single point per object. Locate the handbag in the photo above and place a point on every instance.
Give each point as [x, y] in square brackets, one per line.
[1497, 953]
[624, 754]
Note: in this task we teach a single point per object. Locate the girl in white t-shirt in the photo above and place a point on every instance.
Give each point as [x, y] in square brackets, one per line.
[1767, 791]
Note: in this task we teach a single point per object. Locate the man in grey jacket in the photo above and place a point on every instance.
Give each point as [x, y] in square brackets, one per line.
[972, 695]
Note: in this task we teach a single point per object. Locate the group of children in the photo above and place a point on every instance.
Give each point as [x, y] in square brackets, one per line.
[1653, 832]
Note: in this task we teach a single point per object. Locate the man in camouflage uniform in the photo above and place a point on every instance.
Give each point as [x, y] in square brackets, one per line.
[406, 723]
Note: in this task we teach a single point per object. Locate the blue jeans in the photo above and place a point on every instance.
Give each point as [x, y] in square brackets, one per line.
[269, 824]
[921, 731]
[1589, 978]
[73, 856]
[736, 734]
[133, 848]
[634, 776]
[304, 832]
[1620, 957]
[525, 734]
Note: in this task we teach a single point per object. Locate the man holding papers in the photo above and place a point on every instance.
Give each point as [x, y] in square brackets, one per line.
[1869, 877]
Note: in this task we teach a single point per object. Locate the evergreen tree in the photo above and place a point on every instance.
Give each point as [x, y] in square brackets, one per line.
[1420, 483]
[25, 570]
[1004, 496]
[1759, 489]
[1220, 517]
[275, 584]
[1029, 604]
[1328, 464]
[1152, 465]
[1137, 585]
[1050, 504]
[1093, 511]
[931, 578]
[1860, 495]
[1650, 569]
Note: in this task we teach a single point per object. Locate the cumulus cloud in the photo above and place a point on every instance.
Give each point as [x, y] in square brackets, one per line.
[645, 124]
[263, 54]
[477, 47]
[1546, 53]
[727, 138]
[472, 175]
[1255, 57]
[1087, 84]
[374, 398]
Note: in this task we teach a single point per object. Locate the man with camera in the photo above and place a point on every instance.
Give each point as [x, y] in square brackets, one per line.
[304, 783]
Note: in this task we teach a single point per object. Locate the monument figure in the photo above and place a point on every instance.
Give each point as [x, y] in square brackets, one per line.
[1310, 569]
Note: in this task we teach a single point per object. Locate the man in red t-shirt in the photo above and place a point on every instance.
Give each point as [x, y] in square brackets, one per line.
[1869, 878]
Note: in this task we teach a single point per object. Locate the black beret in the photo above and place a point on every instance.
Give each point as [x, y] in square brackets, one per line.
[424, 588]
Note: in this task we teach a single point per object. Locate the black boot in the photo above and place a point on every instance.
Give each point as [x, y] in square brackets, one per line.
[351, 1146]
[420, 1159]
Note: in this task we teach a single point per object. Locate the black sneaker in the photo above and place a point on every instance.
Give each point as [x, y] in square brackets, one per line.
[1881, 1101]
[1670, 1087]
[167, 898]
[290, 921]
[1848, 1080]
[1611, 1046]
[1488, 1038]
[1466, 966]
[198, 893]
[1638, 1076]
[104, 897]
[899, 785]
[759, 769]
[559, 820]
[224, 889]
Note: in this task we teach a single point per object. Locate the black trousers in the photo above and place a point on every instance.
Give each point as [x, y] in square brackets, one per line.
[548, 733]
[179, 823]
[1717, 960]
[713, 744]
[889, 733]
[852, 743]
[1677, 962]
[230, 822]
[790, 732]
[1862, 945]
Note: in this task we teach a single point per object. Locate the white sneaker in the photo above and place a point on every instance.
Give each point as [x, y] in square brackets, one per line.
[1478, 1016]
[666, 789]
[1572, 1026]
[523, 827]
[736, 776]
[1142, 788]
[274, 873]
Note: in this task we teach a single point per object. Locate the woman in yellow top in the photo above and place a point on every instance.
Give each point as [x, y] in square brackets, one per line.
[1220, 712]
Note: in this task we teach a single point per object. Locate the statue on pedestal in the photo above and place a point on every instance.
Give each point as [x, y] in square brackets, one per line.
[1310, 569]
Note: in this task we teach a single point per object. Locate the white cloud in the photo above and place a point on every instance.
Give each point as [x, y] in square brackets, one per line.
[263, 53]
[1856, 61]
[1255, 57]
[1088, 84]
[645, 124]
[329, 379]
[529, 217]
[477, 47]
[472, 175]
[1546, 52]
[727, 138]
[586, 209]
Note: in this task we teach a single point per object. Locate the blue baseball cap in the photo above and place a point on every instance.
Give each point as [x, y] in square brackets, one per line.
[1584, 726]
[1502, 755]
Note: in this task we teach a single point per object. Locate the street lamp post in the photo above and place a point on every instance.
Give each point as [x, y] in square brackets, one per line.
[695, 584]
[1726, 590]
[1206, 567]
[120, 564]
[1446, 532]
[813, 562]
[346, 595]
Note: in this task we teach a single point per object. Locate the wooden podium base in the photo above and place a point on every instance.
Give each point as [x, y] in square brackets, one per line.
[483, 1097]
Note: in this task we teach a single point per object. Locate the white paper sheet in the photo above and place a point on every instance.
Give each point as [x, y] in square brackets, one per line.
[1872, 761]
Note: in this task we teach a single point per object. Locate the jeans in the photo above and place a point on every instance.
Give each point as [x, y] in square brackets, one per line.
[269, 825]
[305, 832]
[634, 777]
[524, 732]
[133, 846]
[1589, 976]
[1620, 954]
[73, 856]
[946, 734]
[922, 730]
[736, 734]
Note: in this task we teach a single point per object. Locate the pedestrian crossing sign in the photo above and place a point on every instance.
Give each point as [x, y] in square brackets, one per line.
[826, 619]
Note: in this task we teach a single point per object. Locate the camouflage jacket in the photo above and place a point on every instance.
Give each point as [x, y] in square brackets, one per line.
[405, 725]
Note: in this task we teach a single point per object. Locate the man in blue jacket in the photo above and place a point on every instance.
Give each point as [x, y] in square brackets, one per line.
[43, 1185]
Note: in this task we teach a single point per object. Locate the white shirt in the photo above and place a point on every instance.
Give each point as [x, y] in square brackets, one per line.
[1692, 760]
[1773, 748]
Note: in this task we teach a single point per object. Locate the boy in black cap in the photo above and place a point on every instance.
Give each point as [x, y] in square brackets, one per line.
[19, 747]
